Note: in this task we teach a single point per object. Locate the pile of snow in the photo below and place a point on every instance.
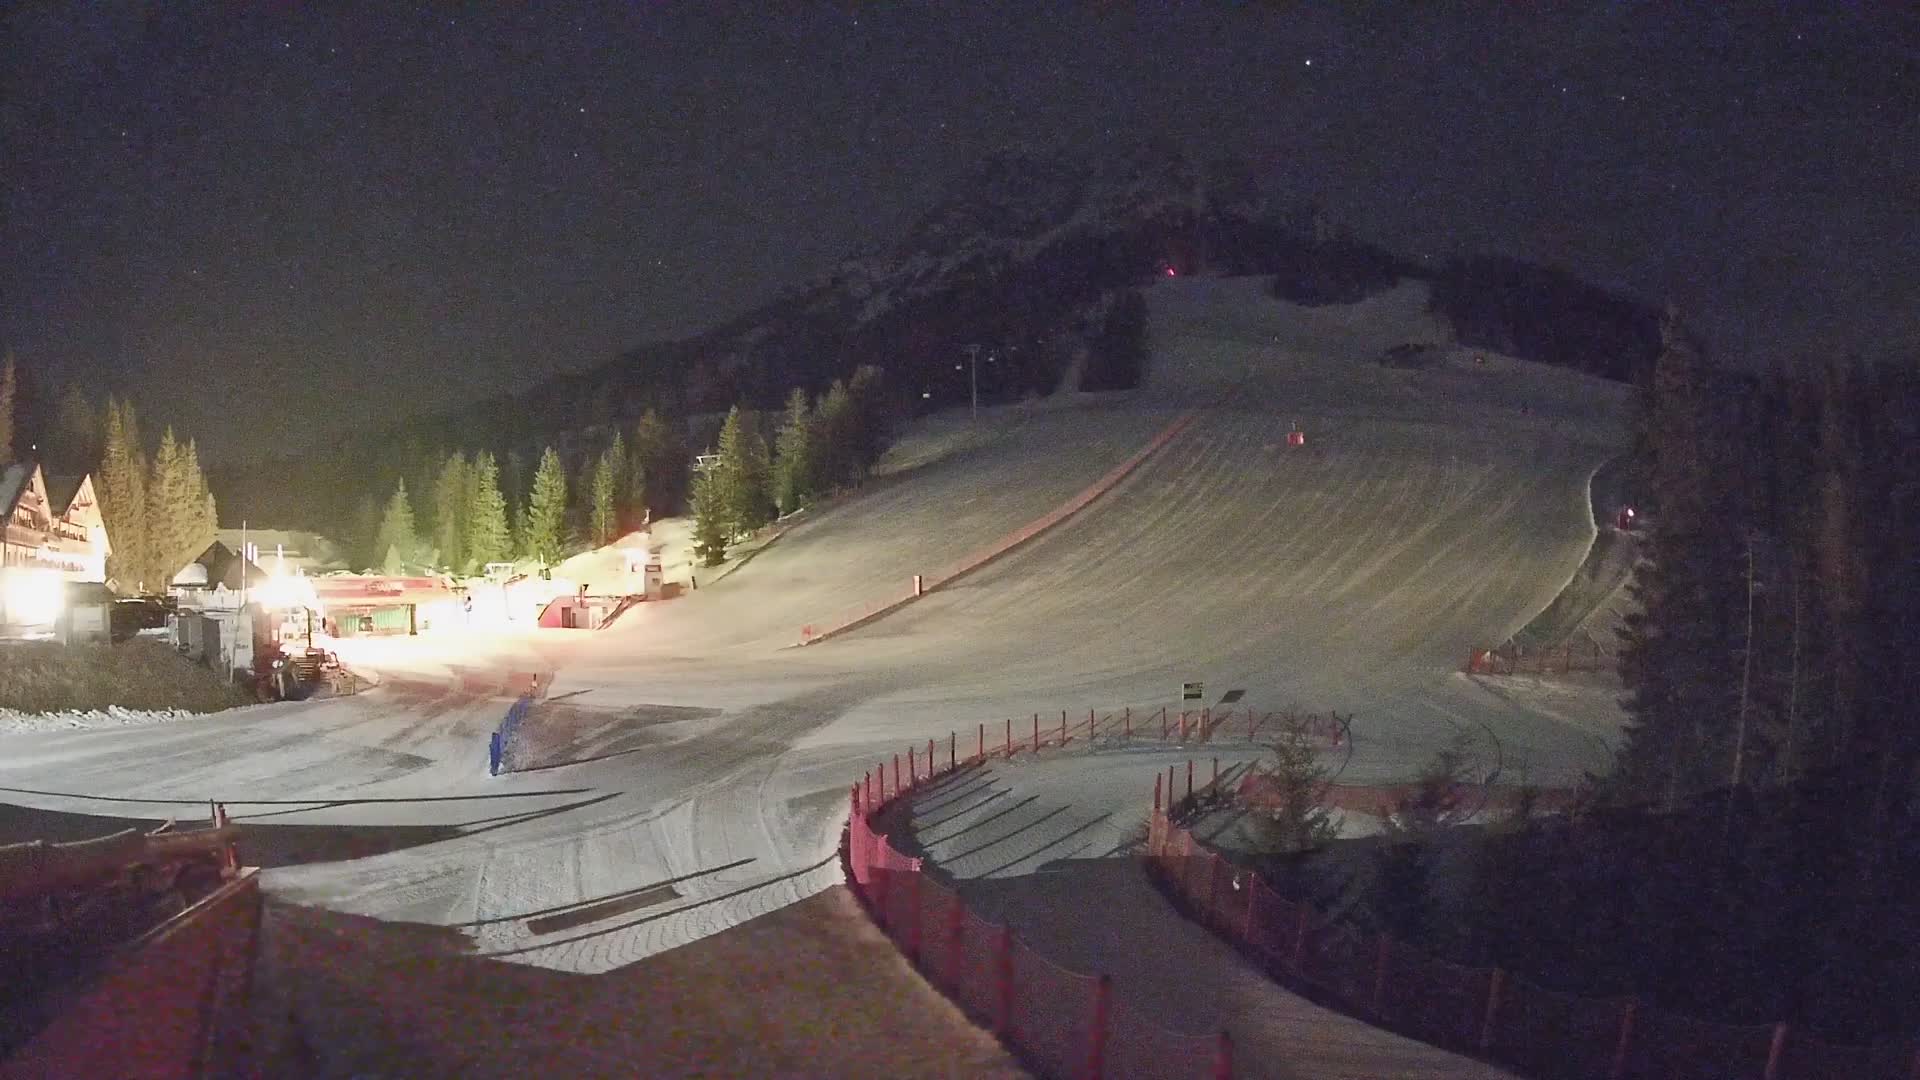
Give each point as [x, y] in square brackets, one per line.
[21, 723]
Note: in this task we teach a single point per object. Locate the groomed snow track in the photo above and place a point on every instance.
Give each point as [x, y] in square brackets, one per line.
[1428, 511]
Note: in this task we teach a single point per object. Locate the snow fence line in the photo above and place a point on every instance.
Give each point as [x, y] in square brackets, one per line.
[1485, 1012]
[501, 744]
[922, 584]
[1060, 1023]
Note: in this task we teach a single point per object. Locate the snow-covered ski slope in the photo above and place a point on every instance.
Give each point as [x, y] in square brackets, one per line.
[1429, 511]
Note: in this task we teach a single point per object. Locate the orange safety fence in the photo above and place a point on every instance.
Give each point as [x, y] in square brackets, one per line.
[974, 560]
[1552, 660]
[1487, 1012]
[1062, 1023]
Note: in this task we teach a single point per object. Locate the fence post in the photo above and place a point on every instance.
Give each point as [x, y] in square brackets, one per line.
[1063, 727]
[1003, 971]
[930, 759]
[1097, 1028]
[1626, 1039]
[1092, 724]
[1774, 1050]
[1246, 933]
[1213, 888]
[953, 750]
[913, 771]
[912, 930]
[896, 776]
[1156, 792]
[1009, 737]
[917, 589]
[1215, 784]
[1493, 1008]
[1380, 977]
[1170, 790]
[1189, 778]
[1223, 1057]
[1300, 937]
[1206, 722]
[1126, 719]
[1036, 733]
[981, 747]
[956, 927]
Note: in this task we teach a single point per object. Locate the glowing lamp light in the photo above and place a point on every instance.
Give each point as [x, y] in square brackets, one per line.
[287, 591]
[1171, 272]
[32, 597]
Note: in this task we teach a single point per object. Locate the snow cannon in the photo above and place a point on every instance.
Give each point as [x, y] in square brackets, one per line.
[1626, 519]
[1296, 437]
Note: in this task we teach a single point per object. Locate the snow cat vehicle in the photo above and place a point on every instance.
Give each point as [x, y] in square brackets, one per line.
[287, 668]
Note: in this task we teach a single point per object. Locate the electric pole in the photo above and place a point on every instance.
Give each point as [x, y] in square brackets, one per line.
[1746, 675]
[973, 380]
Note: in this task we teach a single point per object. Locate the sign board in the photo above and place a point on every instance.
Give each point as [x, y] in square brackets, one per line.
[1192, 691]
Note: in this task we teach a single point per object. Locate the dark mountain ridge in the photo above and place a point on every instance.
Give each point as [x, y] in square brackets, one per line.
[1034, 258]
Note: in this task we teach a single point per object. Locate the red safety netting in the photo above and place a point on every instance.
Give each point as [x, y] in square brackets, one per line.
[1052, 1010]
[1515, 1021]
[1339, 960]
[988, 552]
[1136, 1046]
[1433, 1000]
[1664, 1044]
[1541, 1030]
[1270, 927]
[1049, 1013]
[1804, 1057]
[941, 924]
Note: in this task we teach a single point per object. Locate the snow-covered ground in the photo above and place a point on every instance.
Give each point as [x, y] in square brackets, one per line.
[1430, 511]
[13, 723]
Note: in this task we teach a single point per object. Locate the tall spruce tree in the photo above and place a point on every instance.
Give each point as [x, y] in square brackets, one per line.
[488, 536]
[9, 391]
[77, 432]
[870, 434]
[744, 474]
[623, 503]
[397, 541]
[710, 516]
[796, 448]
[836, 424]
[173, 511]
[122, 489]
[203, 522]
[657, 477]
[451, 496]
[513, 487]
[546, 517]
[1676, 663]
[604, 516]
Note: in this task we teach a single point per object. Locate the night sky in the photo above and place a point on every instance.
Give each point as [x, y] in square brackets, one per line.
[305, 222]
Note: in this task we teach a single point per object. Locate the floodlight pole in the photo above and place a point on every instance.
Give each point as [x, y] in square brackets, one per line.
[973, 380]
[233, 653]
